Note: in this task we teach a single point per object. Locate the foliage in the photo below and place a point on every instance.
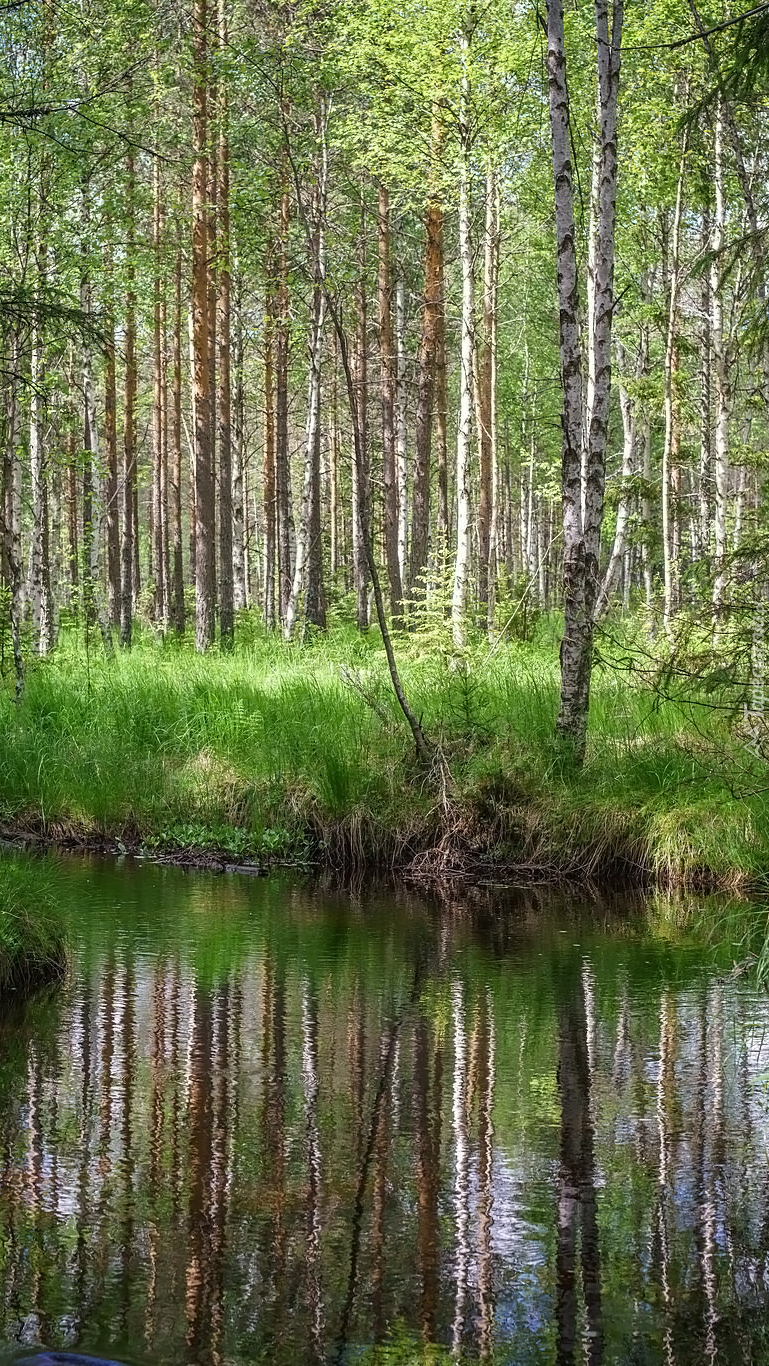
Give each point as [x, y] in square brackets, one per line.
[31, 933]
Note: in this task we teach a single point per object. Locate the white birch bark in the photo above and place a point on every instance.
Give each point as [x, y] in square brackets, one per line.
[581, 537]
[668, 565]
[595, 207]
[313, 379]
[721, 368]
[623, 506]
[39, 589]
[401, 422]
[464, 426]
[12, 519]
[494, 436]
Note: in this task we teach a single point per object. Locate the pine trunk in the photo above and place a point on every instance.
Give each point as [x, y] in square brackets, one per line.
[387, 372]
[201, 313]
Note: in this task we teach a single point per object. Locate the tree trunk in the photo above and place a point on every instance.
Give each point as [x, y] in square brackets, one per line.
[706, 438]
[485, 439]
[268, 482]
[426, 393]
[39, 575]
[401, 400]
[129, 529]
[668, 563]
[721, 366]
[177, 613]
[204, 475]
[464, 428]
[282, 458]
[158, 432]
[627, 408]
[581, 539]
[226, 589]
[240, 594]
[360, 463]
[111, 483]
[387, 371]
[12, 514]
[306, 565]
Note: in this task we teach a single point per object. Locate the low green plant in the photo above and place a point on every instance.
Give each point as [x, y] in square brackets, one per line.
[32, 944]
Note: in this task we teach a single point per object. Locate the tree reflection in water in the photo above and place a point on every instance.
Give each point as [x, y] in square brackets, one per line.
[319, 1126]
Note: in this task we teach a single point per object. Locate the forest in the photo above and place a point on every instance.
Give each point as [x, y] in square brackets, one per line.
[420, 345]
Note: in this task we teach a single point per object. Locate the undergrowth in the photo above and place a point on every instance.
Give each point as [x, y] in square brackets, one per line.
[31, 936]
[287, 751]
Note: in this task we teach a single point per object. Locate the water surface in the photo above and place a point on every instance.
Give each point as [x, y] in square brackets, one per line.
[264, 1123]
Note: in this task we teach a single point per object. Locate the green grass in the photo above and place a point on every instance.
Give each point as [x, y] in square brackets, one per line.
[32, 945]
[280, 750]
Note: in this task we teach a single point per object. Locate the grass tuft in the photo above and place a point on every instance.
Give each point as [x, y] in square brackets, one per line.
[32, 945]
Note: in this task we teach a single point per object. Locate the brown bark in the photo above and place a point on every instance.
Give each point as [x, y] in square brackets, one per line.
[360, 463]
[428, 355]
[387, 371]
[176, 586]
[282, 466]
[203, 455]
[158, 453]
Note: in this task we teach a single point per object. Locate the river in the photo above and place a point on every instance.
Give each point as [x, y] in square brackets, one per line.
[267, 1122]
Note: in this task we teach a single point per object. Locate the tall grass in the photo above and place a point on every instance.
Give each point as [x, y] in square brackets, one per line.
[31, 934]
[294, 744]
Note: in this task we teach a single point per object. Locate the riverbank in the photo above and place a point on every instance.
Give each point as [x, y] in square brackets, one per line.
[32, 943]
[298, 754]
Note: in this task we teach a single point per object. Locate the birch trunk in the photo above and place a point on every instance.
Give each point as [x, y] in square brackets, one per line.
[111, 483]
[577, 641]
[581, 539]
[668, 556]
[39, 575]
[312, 430]
[401, 399]
[485, 423]
[721, 367]
[623, 507]
[464, 427]
[282, 465]
[426, 391]
[128, 533]
[268, 476]
[12, 515]
[706, 438]
[226, 587]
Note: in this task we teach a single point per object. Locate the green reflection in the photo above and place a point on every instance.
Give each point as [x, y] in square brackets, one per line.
[265, 1122]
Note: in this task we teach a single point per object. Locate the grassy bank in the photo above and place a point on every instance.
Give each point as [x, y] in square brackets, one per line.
[32, 946]
[288, 751]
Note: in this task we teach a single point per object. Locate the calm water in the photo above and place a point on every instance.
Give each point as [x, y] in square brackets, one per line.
[268, 1124]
